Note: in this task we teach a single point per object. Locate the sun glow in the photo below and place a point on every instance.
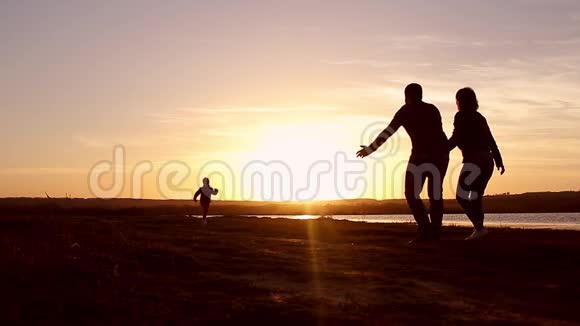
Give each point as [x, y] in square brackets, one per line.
[302, 147]
[305, 217]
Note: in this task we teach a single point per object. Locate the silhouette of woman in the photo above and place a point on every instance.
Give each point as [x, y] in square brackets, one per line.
[473, 137]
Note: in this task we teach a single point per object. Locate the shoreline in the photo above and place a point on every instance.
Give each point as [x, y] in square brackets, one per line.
[463, 224]
[541, 202]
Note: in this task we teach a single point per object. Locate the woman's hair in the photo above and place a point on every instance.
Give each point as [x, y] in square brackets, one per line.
[466, 99]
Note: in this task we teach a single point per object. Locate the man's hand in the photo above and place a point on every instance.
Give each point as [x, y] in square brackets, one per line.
[501, 170]
[364, 152]
[195, 200]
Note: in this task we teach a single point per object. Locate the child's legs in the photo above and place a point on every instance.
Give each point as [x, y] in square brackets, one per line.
[205, 209]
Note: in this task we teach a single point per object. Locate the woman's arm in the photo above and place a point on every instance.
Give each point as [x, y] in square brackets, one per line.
[197, 194]
[459, 127]
[495, 150]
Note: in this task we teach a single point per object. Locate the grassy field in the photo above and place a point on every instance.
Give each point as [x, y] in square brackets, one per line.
[84, 270]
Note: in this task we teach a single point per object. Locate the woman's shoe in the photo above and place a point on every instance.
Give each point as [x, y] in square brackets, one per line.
[478, 234]
[471, 235]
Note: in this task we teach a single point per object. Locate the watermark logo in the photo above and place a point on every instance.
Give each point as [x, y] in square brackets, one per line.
[344, 175]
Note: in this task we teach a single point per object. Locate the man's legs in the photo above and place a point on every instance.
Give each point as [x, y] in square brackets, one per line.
[413, 185]
[435, 190]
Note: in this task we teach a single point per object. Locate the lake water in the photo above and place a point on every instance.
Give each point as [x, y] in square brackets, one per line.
[563, 221]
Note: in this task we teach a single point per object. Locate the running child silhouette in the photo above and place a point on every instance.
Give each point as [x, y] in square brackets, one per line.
[205, 192]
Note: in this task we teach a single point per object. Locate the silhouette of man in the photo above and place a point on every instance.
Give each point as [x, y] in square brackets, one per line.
[429, 159]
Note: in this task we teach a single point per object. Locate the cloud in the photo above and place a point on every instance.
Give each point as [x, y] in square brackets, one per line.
[564, 41]
[416, 41]
[529, 100]
[41, 171]
[226, 133]
[227, 114]
[267, 109]
[375, 64]
[361, 62]
[91, 142]
[441, 41]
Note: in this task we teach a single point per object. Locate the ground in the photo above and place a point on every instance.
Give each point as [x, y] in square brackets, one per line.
[83, 270]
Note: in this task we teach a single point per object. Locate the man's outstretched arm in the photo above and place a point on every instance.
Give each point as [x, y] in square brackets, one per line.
[382, 137]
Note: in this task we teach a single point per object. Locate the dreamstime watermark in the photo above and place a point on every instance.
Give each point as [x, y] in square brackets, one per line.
[277, 180]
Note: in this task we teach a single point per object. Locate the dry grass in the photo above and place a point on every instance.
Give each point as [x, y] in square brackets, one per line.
[172, 270]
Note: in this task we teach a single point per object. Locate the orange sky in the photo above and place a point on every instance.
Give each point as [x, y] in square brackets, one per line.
[245, 81]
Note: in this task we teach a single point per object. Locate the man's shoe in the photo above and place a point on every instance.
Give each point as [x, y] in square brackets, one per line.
[422, 237]
[435, 236]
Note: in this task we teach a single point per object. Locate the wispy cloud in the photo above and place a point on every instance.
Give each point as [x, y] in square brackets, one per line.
[415, 41]
[563, 41]
[91, 142]
[227, 114]
[271, 109]
[227, 133]
[441, 41]
[361, 62]
[42, 171]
